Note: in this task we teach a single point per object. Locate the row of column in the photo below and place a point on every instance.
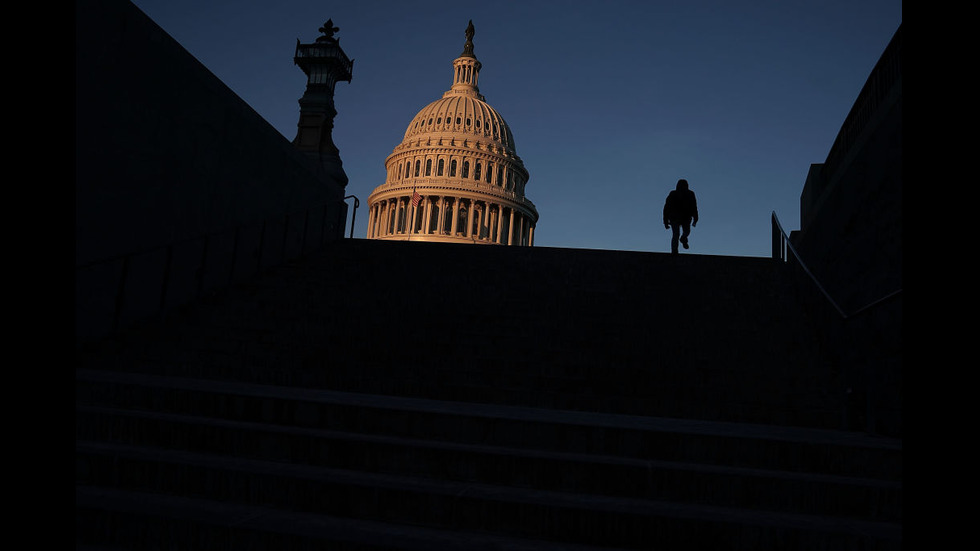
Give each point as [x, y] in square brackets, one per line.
[452, 216]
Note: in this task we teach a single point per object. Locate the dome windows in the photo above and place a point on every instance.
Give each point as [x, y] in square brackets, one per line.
[442, 162]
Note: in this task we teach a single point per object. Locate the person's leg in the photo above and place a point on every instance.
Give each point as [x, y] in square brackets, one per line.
[687, 231]
[675, 233]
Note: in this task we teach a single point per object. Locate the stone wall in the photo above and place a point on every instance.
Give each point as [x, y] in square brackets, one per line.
[180, 187]
[851, 205]
[851, 240]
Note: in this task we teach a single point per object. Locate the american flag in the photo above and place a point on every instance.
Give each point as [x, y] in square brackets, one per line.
[416, 198]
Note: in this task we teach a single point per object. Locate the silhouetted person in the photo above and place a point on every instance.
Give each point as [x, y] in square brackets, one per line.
[680, 209]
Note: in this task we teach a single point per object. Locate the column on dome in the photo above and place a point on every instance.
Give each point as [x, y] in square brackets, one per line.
[399, 219]
[437, 213]
[370, 220]
[498, 225]
[476, 220]
[431, 212]
[489, 224]
[380, 226]
[476, 215]
[455, 222]
[389, 218]
[510, 228]
[530, 240]
[482, 222]
[392, 224]
[382, 217]
[441, 222]
[498, 237]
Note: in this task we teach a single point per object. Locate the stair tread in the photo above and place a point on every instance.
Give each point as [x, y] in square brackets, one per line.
[314, 526]
[491, 450]
[563, 500]
[665, 424]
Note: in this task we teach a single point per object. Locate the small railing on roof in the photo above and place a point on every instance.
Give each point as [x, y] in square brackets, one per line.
[357, 203]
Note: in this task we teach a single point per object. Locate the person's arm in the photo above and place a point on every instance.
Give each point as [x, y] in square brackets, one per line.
[694, 203]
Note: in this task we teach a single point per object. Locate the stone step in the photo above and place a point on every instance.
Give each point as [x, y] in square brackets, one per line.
[648, 438]
[465, 506]
[468, 462]
[701, 393]
[128, 520]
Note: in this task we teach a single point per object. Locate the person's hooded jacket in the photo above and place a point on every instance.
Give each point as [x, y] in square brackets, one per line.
[681, 205]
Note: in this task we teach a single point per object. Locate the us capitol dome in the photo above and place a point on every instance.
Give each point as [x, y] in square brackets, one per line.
[456, 176]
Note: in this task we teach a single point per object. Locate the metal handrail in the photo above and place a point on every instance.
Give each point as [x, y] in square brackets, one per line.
[353, 215]
[781, 243]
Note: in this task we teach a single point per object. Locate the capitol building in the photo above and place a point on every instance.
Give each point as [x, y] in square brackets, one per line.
[456, 176]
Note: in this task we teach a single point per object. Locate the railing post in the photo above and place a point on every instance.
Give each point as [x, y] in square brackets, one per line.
[776, 239]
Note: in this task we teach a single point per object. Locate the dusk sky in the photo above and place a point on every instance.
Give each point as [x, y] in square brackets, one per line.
[610, 102]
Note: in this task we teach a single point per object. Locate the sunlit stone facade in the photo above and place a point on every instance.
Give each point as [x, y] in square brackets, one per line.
[456, 176]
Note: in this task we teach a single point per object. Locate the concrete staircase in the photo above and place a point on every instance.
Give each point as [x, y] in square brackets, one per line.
[438, 396]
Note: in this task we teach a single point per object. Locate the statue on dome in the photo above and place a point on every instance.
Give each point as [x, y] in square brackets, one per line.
[468, 47]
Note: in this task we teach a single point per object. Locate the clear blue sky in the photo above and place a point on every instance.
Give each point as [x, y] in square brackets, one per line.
[610, 102]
